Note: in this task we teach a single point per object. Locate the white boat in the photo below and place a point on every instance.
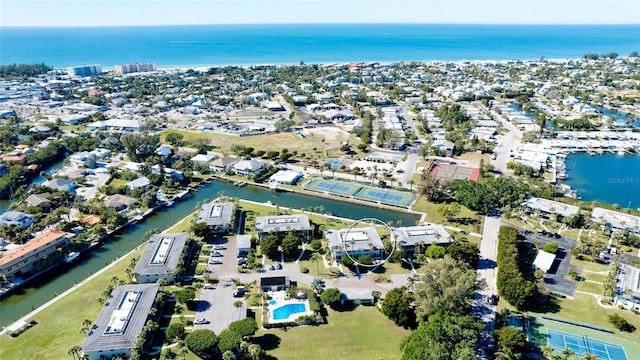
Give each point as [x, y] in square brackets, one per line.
[170, 203]
[71, 256]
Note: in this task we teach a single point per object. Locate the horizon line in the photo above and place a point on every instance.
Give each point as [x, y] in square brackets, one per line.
[322, 23]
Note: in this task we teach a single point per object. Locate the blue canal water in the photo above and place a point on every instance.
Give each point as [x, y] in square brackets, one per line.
[38, 292]
[205, 45]
[606, 178]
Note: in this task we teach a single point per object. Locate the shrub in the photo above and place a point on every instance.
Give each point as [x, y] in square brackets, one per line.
[620, 323]
[365, 260]
[551, 247]
[346, 261]
[228, 340]
[510, 337]
[331, 296]
[244, 327]
[175, 331]
[201, 341]
[316, 244]
[510, 282]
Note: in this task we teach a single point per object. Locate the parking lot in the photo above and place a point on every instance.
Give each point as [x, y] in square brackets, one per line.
[555, 278]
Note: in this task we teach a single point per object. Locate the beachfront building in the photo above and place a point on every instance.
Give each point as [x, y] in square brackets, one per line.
[616, 220]
[121, 320]
[283, 225]
[17, 218]
[357, 241]
[424, 235]
[86, 70]
[134, 68]
[547, 208]
[219, 216]
[25, 259]
[160, 258]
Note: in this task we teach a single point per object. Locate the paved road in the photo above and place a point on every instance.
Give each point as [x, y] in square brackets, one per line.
[506, 143]
[487, 271]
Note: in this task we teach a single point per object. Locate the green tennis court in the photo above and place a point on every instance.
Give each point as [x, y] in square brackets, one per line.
[361, 192]
[333, 187]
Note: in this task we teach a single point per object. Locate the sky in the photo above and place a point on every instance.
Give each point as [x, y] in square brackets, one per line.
[188, 12]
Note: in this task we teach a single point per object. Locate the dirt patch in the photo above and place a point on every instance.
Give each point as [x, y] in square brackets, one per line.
[332, 136]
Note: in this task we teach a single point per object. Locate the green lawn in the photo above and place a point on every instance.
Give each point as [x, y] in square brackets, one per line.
[56, 333]
[590, 287]
[588, 265]
[431, 215]
[364, 333]
[269, 142]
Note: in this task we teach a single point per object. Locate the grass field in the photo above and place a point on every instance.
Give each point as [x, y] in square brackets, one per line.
[271, 142]
[364, 333]
[55, 334]
[431, 215]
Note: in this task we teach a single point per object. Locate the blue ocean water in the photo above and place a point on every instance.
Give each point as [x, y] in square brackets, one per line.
[606, 178]
[204, 45]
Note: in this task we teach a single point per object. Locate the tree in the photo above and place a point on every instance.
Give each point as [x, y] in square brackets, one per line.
[621, 323]
[446, 285]
[547, 351]
[140, 146]
[567, 353]
[443, 336]
[255, 352]
[174, 139]
[465, 252]
[316, 258]
[318, 285]
[228, 340]
[397, 307]
[435, 252]
[290, 243]
[244, 327]
[186, 295]
[509, 337]
[551, 247]
[331, 296]
[175, 331]
[201, 342]
[228, 355]
[588, 356]
[507, 354]
[73, 351]
[86, 325]
[200, 229]
[269, 245]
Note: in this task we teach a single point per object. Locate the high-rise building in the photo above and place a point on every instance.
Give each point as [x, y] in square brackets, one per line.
[86, 70]
[132, 68]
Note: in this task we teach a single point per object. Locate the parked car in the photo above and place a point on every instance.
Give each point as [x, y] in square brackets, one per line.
[271, 267]
[216, 254]
[215, 262]
[493, 299]
[200, 321]
[242, 261]
[219, 247]
[279, 266]
[208, 286]
[239, 292]
[557, 236]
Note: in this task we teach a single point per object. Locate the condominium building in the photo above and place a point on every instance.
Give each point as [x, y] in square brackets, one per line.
[134, 68]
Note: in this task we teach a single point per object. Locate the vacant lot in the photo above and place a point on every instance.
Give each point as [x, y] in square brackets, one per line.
[364, 333]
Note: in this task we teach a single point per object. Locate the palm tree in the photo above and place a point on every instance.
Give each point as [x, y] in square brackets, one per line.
[588, 356]
[567, 353]
[507, 354]
[255, 352]
[73, 351]
[86, 325]
[316, 258]
[228, 355]
[547, 351]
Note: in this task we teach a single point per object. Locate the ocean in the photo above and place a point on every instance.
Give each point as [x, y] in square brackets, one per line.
[207, 45]
[606, 178]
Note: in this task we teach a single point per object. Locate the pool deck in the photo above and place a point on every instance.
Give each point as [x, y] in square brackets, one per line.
[281, 300]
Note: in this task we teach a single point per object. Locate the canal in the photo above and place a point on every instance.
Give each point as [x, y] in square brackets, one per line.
[48, 286]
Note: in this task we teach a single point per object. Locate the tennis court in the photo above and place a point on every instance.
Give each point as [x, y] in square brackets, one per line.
[559, 340]
[334, 187]
[391, 197]
[454, 172]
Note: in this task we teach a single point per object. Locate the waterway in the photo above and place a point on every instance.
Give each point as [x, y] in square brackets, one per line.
[45, 288]
[619, 118]
[606, 178]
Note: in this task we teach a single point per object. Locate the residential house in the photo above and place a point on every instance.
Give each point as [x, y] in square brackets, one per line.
[119, 202]
[115, 331]
[39, 200]
[356, 296]
[16, 218]
[445, 146]
[286, 177]
[247, 167]
[222, 164]
[138, 183]
[62, 184]
[160, 258]
[282, 225]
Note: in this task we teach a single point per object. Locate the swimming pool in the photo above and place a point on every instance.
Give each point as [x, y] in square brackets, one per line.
[272, 302]
[285, 311]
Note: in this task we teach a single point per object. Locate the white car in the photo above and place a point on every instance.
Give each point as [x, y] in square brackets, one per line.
[201, 321]
[215, 262]
[219, 247]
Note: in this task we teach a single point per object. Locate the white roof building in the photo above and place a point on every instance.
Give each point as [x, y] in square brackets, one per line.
[616, 219]
[544, 261]
[550, 207]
